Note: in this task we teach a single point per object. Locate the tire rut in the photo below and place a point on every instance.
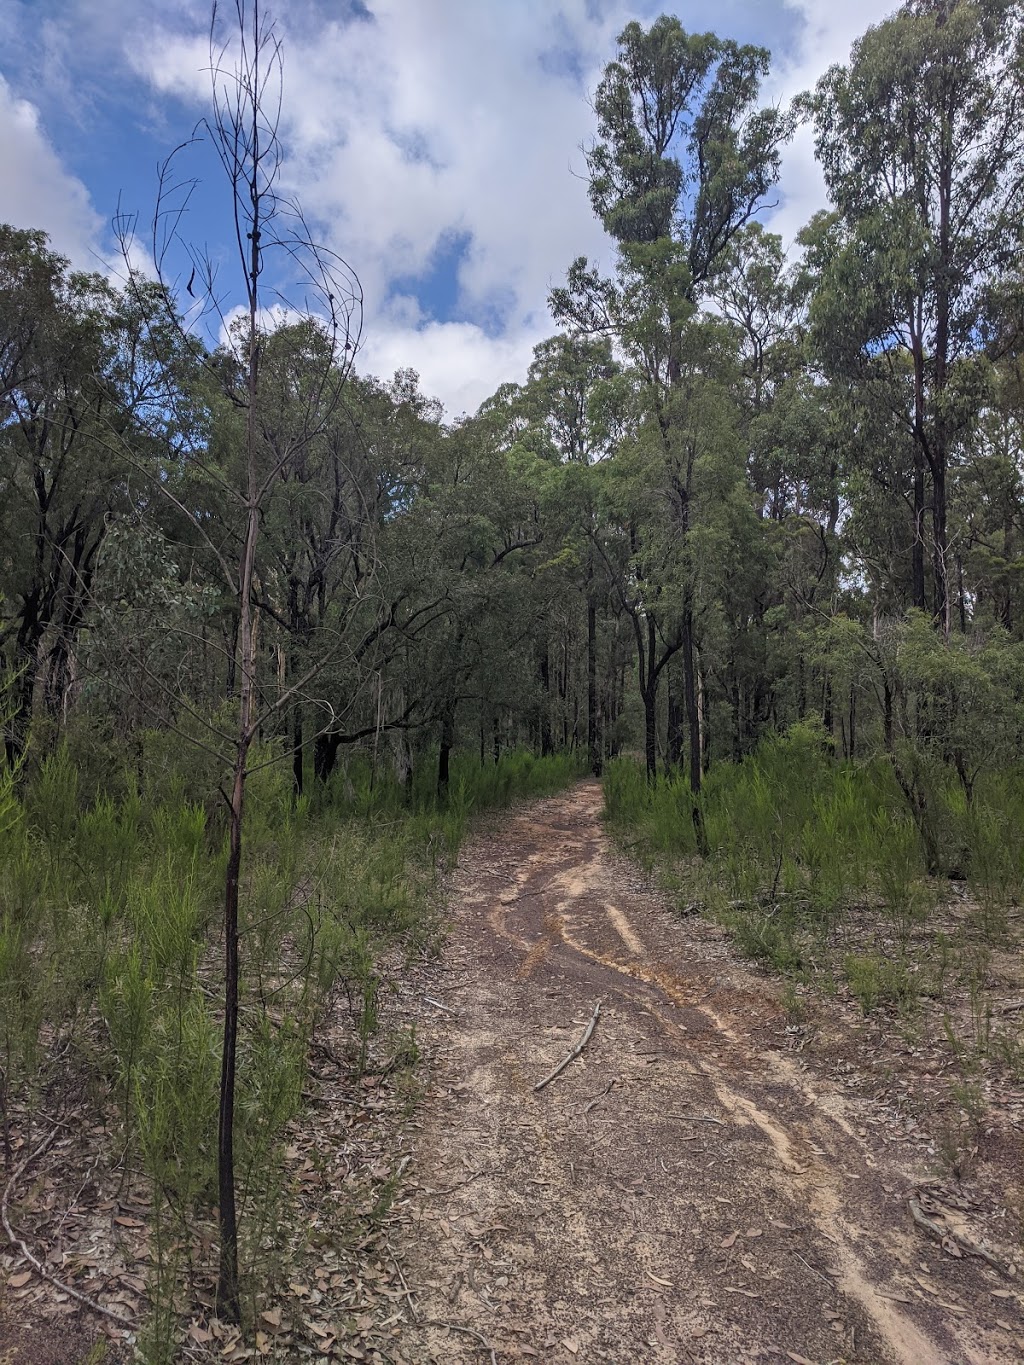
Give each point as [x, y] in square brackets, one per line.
[684, 1191]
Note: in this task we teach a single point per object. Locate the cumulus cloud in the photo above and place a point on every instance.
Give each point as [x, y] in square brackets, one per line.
[412, 126]
[36, 190]
[428, 122]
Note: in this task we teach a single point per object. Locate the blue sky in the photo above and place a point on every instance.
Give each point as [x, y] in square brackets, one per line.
[434, 143]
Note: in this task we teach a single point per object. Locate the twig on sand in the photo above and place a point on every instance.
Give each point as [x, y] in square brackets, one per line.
[574, 1053]
[944, 1234]
[438, 1006]
[811, 1268]
[599, 1096]
[34, 1261]
[469, 1331]
[408, 1291]
[699, 1118]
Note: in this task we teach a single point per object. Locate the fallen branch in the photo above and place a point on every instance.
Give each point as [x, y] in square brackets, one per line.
[598, 1097]
[34, 1261]
[811, 1268]
[944, 1234]
[408, 1292]
[574, 1053]
[699, 1118]
[469, 1331]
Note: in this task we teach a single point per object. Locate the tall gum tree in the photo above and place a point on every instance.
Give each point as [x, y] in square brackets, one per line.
[921, 139]
[684, 157]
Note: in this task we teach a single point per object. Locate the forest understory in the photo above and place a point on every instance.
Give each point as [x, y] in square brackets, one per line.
[737, 1167]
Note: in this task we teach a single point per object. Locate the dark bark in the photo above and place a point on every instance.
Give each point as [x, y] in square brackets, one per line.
[593, 742]
[444, 753]
[546, 745]
[674, 716]
[325, 756]
[737, 724]
[228, 1295]
[826, 706]
[693, 723]
[650, 700]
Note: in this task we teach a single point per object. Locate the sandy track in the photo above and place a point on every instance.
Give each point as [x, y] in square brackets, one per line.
[689, 1189]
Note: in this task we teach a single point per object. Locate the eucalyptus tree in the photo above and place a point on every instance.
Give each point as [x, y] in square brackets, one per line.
[921, 139]
[578, 394]
[683, 159]
[263, 435]
[989, 507]
[73, 364]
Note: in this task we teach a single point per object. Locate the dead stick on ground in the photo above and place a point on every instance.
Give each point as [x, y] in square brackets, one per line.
[811, 1268]
[469, 1331]
[941, 1234]
[408, 1291]
[574, 1053]
[34, 1261]
[438, 1006]
[600, 1095]
[699, 1118]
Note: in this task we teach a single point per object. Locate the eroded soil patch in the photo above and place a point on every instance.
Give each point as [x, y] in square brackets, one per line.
[697, 1186]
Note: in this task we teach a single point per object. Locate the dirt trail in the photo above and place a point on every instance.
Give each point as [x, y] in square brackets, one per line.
[691, 1188]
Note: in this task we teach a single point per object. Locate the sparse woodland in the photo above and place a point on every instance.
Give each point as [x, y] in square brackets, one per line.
[747, 543]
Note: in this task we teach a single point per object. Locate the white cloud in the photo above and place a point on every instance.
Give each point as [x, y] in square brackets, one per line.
[432, 119]
[440, 118]
[456, 361]
[36, 189]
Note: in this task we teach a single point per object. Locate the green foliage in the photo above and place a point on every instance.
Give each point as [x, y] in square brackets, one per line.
[797, 843]
[879, 981]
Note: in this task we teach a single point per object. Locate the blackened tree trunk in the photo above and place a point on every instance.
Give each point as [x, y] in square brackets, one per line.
[546, 746]
[693, 726]
[593, 721]
[444, 753]
[325, 756]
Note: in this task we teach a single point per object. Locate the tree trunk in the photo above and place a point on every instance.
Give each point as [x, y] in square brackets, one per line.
[445, 752]
[887, 732]
[674, 721]
[232, 660]
[228, 1297]
[593, 744]
[325, 755]
[939, 547]
[826, 705]
[737, 722]
[917, 553]
[229, 1304]
[546, 746]
[694, 727]
[297, 750]
[650, 697]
